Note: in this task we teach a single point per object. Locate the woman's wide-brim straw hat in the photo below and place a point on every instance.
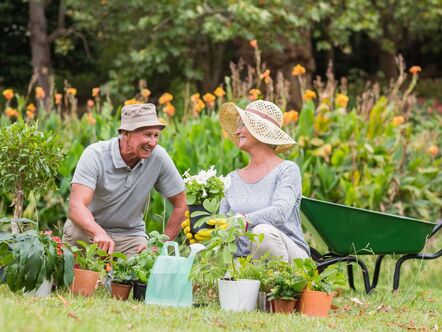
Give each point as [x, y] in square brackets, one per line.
[263, 120]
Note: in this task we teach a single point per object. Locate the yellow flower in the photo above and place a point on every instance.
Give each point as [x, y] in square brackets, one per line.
[165, 98]
[71, 91]
[145, 93]
[11, 112]
[415, 69]
[58, 98]
[254, 43]
[254, 94]
[219, 92]
[90, 103]
[290, 116]
[433, 150]
[169, 109]
[298, 70]
[131, 102]
[95, 92]
[31, 108]
[39, 92]
[90, 118]
[8, 94]
[30, 114]
[341, 100]
[309, 95]
[266, 76]
[398, 120]
[209, 99]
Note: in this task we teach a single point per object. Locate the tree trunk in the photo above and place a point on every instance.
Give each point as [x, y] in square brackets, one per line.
[18, 209]
[40, 46]
[387, 64]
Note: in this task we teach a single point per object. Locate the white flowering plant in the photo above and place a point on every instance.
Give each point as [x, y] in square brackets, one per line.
[206, 185]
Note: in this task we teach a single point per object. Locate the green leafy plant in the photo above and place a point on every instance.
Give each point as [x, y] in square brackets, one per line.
[29, 161]
[122, 268]
[89, 257]
[31, 257]
[206, 185]
[285, 280]
[326, 281]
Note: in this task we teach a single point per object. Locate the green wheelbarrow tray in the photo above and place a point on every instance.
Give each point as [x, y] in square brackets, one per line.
[350, 232]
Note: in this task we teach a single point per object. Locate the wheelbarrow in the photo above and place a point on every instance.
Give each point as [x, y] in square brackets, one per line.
[350, 233]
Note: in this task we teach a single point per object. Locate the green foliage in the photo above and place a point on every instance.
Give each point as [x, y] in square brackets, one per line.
[122, 268]
[89, 256]
[30, 258]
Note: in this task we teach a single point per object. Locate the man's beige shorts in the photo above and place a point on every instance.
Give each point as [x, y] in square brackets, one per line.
[126, 244]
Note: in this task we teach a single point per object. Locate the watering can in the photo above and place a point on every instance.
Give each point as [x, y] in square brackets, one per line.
[169, 282]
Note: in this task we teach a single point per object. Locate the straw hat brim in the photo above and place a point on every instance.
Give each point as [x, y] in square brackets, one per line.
[263, 130]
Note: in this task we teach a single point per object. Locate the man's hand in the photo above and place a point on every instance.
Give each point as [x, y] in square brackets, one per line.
[104, 242]
[141, 248]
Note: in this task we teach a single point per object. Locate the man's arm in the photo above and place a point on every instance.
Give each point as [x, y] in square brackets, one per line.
[179, 204]
[80, 215]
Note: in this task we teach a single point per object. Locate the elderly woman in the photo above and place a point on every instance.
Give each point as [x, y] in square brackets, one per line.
[268, 190]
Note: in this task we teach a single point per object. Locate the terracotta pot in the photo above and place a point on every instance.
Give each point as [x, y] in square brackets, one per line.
[314, 303]
[85, 282]
[284, 306]
[120, 291]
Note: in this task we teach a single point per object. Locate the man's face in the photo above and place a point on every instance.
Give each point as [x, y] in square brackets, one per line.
[142, 141]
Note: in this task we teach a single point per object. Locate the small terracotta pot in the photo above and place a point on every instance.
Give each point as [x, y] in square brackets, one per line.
[120, 291]
[314, 303]
[284, 306]
[85, 282]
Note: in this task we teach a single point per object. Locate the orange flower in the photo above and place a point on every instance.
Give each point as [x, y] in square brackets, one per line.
[415, 69]
[219, 92]
[58, 98]
[254, 43]
[31, 108]
[131, 102]
[8, 94]
[95, 92]
[11, 112]
[195, 97]
[298, 70]
[165, 98]
[266, 76]
[433, 150]
[145, 93]
[398, 120]
[197, 104]
[40, 92]
[254, 94]
[90, 118]
[341, 100]
[30, 114]
[209, 99]
[90, 103]
[169, 109]
[71, 91]
[309, 95]
[290, 116]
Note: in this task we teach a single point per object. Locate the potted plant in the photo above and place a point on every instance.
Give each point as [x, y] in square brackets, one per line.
[217, 265]
[143, 263]
[89, 263]
[201, 189]
[34, 262]
[316, 298]
[286, 285]
[122, 272]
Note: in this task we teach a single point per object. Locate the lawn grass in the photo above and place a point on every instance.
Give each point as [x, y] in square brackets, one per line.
[416, 306]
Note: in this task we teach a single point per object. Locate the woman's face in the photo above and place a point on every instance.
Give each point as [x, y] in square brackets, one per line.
[245, 138]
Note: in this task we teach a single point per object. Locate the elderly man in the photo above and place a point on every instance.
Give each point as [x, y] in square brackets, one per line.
[112, 183]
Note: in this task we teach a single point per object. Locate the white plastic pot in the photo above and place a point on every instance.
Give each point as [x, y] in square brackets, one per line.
[44, 290]
[238, 295]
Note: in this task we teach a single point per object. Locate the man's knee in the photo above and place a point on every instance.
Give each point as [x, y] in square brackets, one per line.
[72, 233]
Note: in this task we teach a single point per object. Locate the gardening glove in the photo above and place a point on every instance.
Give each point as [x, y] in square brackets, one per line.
[224, 223]
[185, 225]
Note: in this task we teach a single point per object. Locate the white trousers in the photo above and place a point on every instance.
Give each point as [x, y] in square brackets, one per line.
[276, 243]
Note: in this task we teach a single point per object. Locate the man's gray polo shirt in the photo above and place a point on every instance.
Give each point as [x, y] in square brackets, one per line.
[121, 194]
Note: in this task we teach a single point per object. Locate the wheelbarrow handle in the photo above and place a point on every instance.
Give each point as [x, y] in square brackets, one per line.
[436, 228]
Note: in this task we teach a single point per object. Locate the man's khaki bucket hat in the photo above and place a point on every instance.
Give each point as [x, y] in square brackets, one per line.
[135, 116]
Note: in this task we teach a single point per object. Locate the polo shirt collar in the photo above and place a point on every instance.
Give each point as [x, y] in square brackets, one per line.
[116, 155]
